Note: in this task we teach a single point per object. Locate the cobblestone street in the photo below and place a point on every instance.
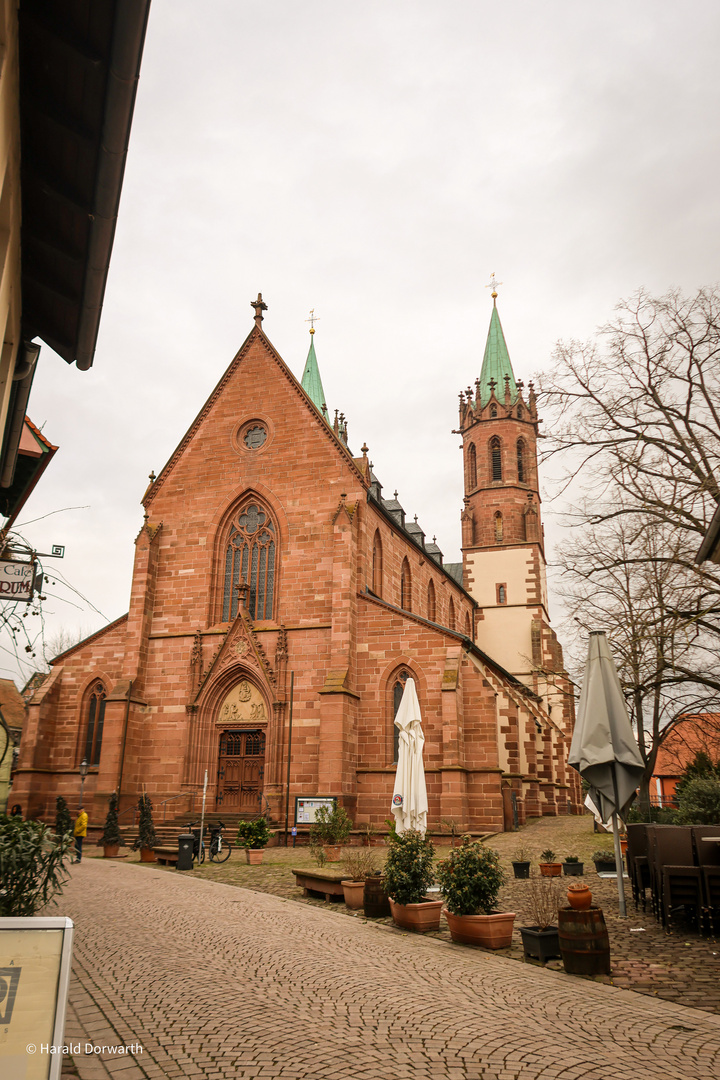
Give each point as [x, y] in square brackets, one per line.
[216, 981]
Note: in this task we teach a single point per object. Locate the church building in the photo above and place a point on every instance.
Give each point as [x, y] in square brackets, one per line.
[279, 602]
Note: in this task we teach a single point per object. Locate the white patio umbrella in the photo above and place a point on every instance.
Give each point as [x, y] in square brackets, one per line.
[409, 801]
[603, 748]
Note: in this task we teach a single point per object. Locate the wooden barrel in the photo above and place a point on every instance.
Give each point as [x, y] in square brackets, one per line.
[584, 941]
[375, 901]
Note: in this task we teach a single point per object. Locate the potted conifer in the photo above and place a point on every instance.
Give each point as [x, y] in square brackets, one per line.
[408, 875]
[253, 836]
[63, 818]
[112, 837]
[572, 867]
[471, 879]
[604, 860]
[146, 830]
[549, 866]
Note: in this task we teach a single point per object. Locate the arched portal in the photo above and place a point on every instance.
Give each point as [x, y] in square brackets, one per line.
[242, 719]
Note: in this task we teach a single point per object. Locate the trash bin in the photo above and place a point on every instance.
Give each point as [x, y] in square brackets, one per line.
[185, 851]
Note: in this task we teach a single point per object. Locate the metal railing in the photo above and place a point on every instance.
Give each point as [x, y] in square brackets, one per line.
[164, 804]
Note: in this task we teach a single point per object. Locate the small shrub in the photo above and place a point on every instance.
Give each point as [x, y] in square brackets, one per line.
[603, 855]
[409, 867]
[572, 858]
[543, 901]
[548, 855]
[111, 833]
[63, 818]
[146, 827]
[253, 834]
[699, 801]
[471, 879]
[521, 854]
[359, 863]
[330, 826]
[32, 865]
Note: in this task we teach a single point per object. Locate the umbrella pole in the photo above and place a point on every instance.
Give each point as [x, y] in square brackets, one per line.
[618, 852]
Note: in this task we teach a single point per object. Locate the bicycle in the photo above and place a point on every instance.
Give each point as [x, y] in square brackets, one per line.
[198, 843]
[219, 852]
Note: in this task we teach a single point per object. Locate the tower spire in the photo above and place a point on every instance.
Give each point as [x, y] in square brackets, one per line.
[496, 361]
[311, 381]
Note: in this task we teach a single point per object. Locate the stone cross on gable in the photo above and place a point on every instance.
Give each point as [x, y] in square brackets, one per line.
[259, 306]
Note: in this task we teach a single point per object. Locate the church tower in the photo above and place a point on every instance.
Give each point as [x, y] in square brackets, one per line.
[502, 534]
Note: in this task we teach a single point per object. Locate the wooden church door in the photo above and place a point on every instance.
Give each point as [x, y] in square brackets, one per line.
[241, 766]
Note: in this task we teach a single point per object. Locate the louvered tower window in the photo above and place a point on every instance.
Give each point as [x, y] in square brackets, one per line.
[472, 467]
[496, 459]
[250, 556]
[498, 528]
[521, 460]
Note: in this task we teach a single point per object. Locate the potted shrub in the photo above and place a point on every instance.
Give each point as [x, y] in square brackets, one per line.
[32, 865]
[572, 867]
[540, 940]
[409, 873]
[521, 862]
[112, 837]
[549, 866]
[63, 818]
[604, 860]
[253, 836]
[330, 830]
[146, 830]
[471, 879]
[359, 864]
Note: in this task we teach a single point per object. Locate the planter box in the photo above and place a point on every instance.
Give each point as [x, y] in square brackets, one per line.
[254, 855]
[542, 945]
[521, 869]
[573, 869]
[353, 892]
[489, 931]
[605, 867]
[550, 869]
[420, 917]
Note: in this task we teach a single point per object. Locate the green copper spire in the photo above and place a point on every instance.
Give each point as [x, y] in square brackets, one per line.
[311, 381]
[496, 362]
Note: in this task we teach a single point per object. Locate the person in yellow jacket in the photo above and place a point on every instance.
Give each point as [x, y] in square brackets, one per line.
[81, 824]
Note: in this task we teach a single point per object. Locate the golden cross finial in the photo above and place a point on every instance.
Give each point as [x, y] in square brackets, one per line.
[312, 320]
[493, 285]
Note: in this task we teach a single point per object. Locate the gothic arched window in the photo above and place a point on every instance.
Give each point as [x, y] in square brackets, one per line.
[431, 602]
[398, 689]
[496, 458]
[498, 528]
[451, 614]
[377, 565]
[250, 556]
[405, 587]
[468, 625]
[95, 713]
[472, 467]
[521, 460]
[493, 412]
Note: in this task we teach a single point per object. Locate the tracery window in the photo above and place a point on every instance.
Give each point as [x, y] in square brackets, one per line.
[377, 565]
[521, 460]
[472, 467]
[95, 713]
[431, 608]
[405, 587]
[496, 458]
[399, 680]
[498, 528]
[250, 556]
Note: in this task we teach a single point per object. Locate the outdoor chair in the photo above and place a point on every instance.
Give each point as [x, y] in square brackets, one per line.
[672, 849]
[637, 861]
[682, 887]
[708, 856]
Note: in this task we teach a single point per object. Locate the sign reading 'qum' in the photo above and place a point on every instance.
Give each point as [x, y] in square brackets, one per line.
[16, 580]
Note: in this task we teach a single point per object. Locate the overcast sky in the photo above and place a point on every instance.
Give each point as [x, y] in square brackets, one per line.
[376, 162]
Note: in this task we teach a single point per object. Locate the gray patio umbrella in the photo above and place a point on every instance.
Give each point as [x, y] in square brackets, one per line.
[604, 749]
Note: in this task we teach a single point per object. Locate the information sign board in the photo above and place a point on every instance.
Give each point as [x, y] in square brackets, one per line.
[16, 580]
[35, 959]
[306, 809]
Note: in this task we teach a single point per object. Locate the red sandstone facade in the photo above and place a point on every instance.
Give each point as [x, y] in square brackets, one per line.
[198, 675]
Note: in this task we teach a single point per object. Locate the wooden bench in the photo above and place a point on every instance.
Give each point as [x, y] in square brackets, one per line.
[166, 856]
[321, 883]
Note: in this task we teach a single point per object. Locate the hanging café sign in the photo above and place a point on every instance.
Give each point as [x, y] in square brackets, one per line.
[17, 580]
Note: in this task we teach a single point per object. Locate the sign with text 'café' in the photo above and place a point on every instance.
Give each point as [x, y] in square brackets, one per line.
[16, 580]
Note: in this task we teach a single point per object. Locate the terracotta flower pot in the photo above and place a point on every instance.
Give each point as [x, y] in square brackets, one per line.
[254, 855]
[147, 854]
[110, 851]
[550, 869]
[354, 892]
[579, 899]
[490, 931]
[333, 852]
[420, 917]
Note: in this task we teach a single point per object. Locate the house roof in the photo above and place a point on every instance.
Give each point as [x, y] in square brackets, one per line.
[11, 703]
[34, 454]
[690, 736]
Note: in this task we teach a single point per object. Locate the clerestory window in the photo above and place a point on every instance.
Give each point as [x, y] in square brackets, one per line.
[250, 557]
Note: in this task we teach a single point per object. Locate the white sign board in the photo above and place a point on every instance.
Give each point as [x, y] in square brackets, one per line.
[306, 809]
[35, 959]
[16, 580]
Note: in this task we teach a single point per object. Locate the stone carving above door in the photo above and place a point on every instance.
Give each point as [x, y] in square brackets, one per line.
[244, 704]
